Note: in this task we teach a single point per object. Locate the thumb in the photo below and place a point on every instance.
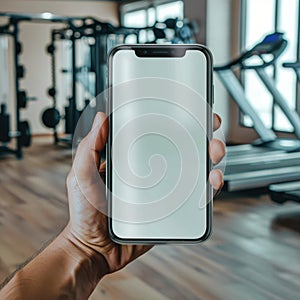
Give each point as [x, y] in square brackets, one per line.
[87, 158]
[97, 137]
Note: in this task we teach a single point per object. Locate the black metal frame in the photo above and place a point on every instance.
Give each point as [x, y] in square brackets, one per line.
[100, 32]
[12, 29]
[243, 30]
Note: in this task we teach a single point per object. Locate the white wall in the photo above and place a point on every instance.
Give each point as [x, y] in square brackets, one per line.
[219, 42]
[36, 36]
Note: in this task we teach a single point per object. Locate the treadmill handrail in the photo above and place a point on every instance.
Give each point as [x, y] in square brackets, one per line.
[234, 87]
[292, 65]
[291, 114]
[259, 50]
[295, 66]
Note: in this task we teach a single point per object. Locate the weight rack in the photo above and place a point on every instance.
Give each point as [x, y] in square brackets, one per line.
[101, 33]
[12, 29]
[183, 32]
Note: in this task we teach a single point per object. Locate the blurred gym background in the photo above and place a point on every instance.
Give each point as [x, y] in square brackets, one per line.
[53, 63]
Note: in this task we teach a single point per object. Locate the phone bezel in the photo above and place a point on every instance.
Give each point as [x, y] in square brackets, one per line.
[161, 51]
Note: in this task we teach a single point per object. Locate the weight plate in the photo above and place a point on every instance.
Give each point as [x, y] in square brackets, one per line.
[51, 92]
[19, 48]
[51, 117]
[4, 126]
[50, 49]
[20, 72]
[25, 134]
[22, 99]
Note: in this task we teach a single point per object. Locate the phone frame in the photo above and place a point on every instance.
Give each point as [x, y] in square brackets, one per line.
[164, 50]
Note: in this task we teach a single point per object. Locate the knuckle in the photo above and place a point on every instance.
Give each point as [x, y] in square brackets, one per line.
[71, 179]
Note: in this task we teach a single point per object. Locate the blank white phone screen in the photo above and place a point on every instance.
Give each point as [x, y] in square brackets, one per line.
[159, 146]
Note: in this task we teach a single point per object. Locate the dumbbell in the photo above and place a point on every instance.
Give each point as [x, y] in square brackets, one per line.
[22, 99]
[6, 135]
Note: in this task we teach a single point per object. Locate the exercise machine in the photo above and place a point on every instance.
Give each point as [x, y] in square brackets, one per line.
[289, 191]
[99, 38]
[269, 159]
[22, 133]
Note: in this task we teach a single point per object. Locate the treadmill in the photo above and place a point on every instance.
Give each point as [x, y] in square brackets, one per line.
[270, 159]
[289, 191]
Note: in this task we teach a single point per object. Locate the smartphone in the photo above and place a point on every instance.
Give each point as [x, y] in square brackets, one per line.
[160, 118]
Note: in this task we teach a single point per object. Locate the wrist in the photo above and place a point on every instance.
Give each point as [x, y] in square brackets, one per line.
[91, 261]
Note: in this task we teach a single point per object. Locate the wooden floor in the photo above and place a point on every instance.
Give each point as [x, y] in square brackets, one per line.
[253, 254]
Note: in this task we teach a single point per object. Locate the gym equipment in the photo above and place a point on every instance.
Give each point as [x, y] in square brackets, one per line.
[22, 99]
[4, 125]
[11, 28]
[294, 66]
[19, 48]
[50, 49]
[51, 117]
[22, 133]
[51, 92]
[171, 23]
[103, 36]
[283, 192]
[289, 191]
[159, 33]
[270, 159]
[171, 30]
[6, 135]
[21, 71]
[99, 37]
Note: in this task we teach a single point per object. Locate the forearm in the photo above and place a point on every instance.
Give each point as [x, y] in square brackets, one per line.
[64, 270]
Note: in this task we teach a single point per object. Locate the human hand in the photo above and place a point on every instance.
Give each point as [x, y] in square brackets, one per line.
[88, 227]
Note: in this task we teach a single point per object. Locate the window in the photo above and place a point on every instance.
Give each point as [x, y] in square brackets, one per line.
[146, 14]
[169, 10]
[136, 18]
[258, 19]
